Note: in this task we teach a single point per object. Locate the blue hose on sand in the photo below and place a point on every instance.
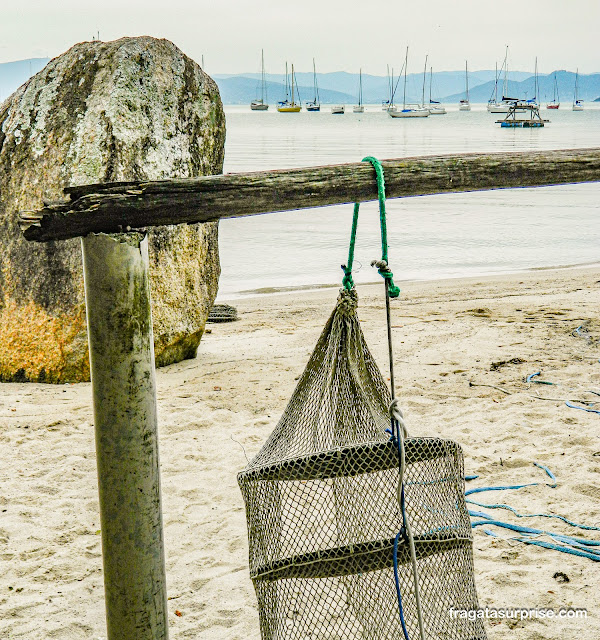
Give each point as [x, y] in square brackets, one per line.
[582, 547]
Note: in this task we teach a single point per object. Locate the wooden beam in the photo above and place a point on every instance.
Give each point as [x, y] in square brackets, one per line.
[113, 208]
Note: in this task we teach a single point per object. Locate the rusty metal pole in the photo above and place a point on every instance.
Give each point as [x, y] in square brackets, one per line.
[122, 369]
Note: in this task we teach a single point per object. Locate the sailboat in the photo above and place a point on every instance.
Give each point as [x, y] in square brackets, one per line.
[409, 111]
[555, 104]
[505, 104]
[287, 106]
[464, 104]
[422, 105]
[536, 88]
[389, 104]
[528, 111]
[393, 88]
[577, 103]
[435, 107]
[261, 104]
[493, 101]
[315, 104]
[360, 107]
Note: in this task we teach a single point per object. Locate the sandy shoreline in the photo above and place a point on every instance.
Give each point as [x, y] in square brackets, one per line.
[309, 288]
[220, 407]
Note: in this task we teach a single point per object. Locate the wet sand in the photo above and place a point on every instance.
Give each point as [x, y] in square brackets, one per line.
[463, 350]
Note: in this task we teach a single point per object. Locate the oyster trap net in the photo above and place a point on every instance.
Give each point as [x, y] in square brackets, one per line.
[356, 530]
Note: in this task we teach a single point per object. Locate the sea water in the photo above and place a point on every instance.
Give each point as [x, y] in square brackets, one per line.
[430, 237]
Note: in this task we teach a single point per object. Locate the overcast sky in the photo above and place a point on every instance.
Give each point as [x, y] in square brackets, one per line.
[340, 35]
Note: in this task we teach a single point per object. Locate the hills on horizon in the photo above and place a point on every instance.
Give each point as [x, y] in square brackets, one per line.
[242, 90]
[342, 87]
[447, 86]
[375, 88]
[588, 89]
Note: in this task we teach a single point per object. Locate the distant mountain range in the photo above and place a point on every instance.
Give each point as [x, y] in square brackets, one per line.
[589, 88]
[242, 90]
[375, 88]
[447, 86]
[341, 87]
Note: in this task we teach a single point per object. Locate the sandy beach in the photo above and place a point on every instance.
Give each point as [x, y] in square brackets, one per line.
[463, 351]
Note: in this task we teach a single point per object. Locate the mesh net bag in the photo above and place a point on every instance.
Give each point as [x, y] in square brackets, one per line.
[323, 511]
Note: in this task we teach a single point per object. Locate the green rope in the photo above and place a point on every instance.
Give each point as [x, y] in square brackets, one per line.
[383, 269]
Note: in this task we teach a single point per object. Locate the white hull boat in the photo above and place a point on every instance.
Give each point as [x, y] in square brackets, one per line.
[315, 104]
[359, 108]
[437, 110]
[262, 103]
[409, 112]
[501, 106]
[435, 107]
[498, 107]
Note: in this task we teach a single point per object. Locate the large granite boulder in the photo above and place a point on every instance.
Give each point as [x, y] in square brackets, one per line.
[133, 109]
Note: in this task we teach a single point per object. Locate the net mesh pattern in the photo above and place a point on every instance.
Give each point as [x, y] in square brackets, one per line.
[323, 511]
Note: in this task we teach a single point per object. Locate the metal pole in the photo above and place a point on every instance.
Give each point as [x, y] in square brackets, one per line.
[396, 428]
[122, 369]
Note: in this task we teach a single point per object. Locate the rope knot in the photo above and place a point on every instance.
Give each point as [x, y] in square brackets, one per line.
[397, 415]
[386, 273]
[347, 281]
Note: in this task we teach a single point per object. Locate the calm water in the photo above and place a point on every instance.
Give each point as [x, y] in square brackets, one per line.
[431, 236]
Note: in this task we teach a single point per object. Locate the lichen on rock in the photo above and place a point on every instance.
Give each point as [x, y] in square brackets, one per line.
[133, 109]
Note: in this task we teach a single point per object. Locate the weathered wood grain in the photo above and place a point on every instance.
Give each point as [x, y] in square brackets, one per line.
[116, 207]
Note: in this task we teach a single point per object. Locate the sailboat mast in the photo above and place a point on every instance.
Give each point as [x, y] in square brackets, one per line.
[536, 86]
[424, 76]
[389, 85]
[496, 87]
[505, 86]
[287, 90]
[293, 84]
[430, 82]
[405, 65]
[315, 81]
[360, 87]
[262, 66]
[467, 79]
